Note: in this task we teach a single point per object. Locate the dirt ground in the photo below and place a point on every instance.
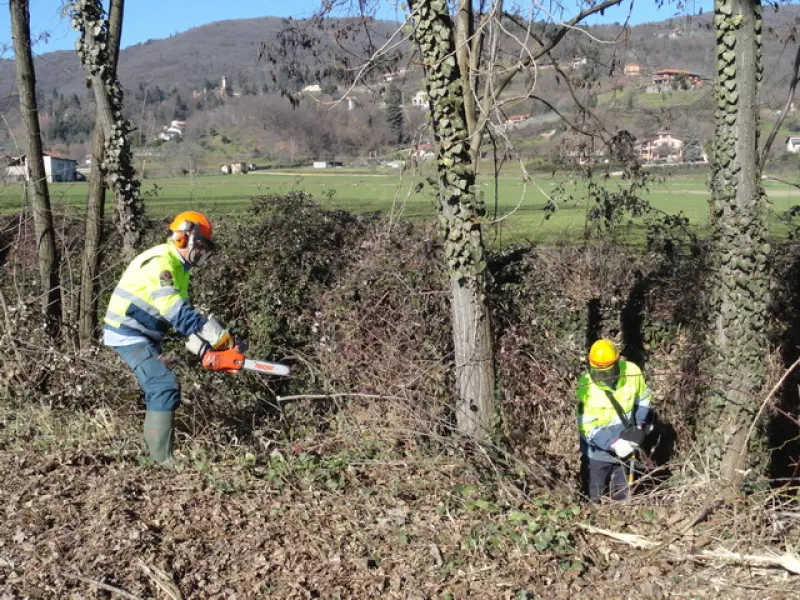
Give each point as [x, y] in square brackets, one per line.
[76, 522]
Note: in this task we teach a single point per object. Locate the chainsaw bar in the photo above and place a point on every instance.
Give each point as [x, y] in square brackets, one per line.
[262, 366]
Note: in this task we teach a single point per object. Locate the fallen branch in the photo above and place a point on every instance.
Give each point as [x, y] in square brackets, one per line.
[632, 539]
[334, 396]
[105, 586]
[162, 581]
[787, 561]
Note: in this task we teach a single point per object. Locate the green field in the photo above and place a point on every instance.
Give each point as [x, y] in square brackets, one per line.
[517, 215]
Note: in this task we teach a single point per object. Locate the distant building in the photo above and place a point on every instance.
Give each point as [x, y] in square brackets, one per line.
[578, 62]
[515, 120]
[57, 168]
[424, 152]
[349, 102]
[16, 168]
[238, 168]
[580, 150]
[672, 34]
[225, 169]
[327, 164]
[387, 77]
[170, 133]
[420, 99]
[633, 70]
[219, 91]
[670, 79]
[662, 147]
[314, 88]
[793, 144]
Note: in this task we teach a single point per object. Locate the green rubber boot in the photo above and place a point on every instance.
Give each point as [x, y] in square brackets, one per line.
[158, 435]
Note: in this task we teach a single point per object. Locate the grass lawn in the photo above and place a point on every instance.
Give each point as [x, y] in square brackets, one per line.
[517, 214]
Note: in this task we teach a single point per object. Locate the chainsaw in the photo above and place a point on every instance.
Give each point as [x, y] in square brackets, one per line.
[263, 366]
[232, 359]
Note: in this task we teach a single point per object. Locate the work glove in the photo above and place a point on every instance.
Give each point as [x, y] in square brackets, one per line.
[216, 335]
[623, 448]
[230, 360]
[225, 342]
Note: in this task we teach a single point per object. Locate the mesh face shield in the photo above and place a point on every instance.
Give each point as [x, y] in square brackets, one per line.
[199, 248]
[607, 376]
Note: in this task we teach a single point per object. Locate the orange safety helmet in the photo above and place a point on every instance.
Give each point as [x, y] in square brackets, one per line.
[603, 354]
[190, 222]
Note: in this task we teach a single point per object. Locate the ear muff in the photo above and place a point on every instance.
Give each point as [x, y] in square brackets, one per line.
[180, 238]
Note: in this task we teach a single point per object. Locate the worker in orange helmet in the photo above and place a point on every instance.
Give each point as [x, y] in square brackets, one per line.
[613, 414]
[151, 298]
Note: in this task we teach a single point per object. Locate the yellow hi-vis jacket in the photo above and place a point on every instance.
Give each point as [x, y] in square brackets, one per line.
[599, 424]
[151, 297]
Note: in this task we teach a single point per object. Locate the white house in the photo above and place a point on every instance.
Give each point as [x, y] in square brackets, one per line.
[420, 99]
[663, 146]
[171, 133]
[578, 62]
[793, 144]
[314, 88]
[16, 168]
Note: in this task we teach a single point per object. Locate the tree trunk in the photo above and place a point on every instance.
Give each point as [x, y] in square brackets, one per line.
[460, 213]
[739, 228]
[96, 200]
[37, 184]
[93, 49]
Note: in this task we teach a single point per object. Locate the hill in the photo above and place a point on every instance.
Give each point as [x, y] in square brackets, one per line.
[181, 77]
[223, 48]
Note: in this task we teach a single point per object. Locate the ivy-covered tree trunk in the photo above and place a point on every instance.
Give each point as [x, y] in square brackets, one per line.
[96, 200]
[37, 185]
[739, 221]
[93, 49]
[460, 214]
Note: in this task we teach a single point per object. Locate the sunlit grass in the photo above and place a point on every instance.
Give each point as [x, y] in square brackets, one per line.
[515, 208]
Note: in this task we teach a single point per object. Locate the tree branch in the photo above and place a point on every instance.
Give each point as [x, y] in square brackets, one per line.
[506, 77]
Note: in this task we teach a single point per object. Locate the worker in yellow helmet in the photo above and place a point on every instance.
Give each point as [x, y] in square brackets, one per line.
[613, 412]
[151, 298]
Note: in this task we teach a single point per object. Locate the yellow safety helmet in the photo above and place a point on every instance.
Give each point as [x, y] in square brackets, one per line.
[603, 354]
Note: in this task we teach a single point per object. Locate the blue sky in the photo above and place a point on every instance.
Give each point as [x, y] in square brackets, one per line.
[155, 19]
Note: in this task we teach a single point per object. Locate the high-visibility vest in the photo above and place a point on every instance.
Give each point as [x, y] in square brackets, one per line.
[597, 415]
[151, 297]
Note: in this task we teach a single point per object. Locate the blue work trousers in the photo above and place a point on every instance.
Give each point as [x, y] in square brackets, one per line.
[159, 384]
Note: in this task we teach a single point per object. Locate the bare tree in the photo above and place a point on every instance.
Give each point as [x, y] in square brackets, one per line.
[93, 49]
[96, 199]
[39, 194]
[466, 71]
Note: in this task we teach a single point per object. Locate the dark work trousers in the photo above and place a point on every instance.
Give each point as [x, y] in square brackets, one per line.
[158, 382]
[600, 476]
